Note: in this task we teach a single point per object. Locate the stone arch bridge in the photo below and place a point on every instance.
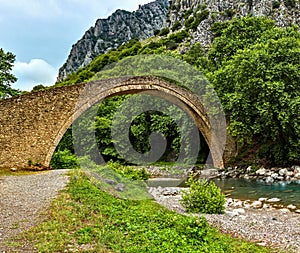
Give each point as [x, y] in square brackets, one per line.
[32, 125]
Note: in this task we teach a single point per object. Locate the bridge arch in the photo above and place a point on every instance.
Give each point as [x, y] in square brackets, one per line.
[38, 121]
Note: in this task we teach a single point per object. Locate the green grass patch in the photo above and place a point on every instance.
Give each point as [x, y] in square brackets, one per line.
[86, 219]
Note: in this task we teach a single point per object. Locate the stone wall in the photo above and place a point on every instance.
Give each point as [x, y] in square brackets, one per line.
[32, 125]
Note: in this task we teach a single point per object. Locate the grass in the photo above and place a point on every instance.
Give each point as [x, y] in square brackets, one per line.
[85, 219]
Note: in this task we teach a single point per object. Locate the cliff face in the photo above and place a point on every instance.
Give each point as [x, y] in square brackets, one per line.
[112, 32]
[196, 16]
[205, 12]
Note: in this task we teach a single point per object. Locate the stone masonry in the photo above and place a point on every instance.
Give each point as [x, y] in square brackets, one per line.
[32, 125]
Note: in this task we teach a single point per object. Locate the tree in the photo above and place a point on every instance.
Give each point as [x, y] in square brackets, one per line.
[260, 90]
[235, 35]
[6, 78]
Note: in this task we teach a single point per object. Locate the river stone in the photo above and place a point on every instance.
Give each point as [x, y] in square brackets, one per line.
[296, 169]
[297, 211]
[274, 175]
[270, 180]
[273, 200]
[262, 199]
[208, 173]
[292, 207]
[231, 213]
[257, 204]
[297, 176]
[261, 172]
[284, 210]
[283, 172]
[240, 210]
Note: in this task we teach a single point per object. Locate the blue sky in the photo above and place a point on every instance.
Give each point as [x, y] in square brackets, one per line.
[41, 33]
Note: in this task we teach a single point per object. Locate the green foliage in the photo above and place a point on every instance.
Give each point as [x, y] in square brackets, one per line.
[236, 35]
[203, 197]
[64, 160]
[179, 36]
[163, 32]
[156, 32]
[38, 88]
[189, 22]
[290, 4]
[171, 45]
[196, 55]
[130, 172]
[259, 88]
[187, 13]
[6, 78]
[177, 25]
[199, 18]
[276, 4]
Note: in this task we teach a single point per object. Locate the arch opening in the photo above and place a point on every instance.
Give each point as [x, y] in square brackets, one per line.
[173, 95]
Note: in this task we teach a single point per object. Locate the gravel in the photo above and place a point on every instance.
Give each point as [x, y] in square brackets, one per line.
[267, 227]
[23, 198]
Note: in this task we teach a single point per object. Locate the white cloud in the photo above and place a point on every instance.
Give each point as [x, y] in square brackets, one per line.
[37, 71]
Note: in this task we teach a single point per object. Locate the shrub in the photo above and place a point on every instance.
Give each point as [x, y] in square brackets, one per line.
[156, 32]
[177, 25]
[276, 4]
[163, 32]
[64, 160]
[129, 171]
[203, 197]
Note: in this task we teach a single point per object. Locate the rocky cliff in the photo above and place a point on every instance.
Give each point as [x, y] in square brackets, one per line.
[197, 16]
[110, 33]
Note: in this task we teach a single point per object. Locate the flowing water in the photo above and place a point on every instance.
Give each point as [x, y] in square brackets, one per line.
[288, 192]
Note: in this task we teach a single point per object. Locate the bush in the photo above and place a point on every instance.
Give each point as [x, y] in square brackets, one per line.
[129, 171]
[203, 197]
[163, 32]
[64, 160]
[176, 26]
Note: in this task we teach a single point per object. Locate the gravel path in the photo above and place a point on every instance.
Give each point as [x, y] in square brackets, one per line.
[23, 198]
[267, 227]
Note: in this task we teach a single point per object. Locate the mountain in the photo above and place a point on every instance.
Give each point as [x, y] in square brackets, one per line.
[197, 16]
[112, 32]
[194, 16]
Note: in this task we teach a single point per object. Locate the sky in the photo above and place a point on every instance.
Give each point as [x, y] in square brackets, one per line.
[41, 33]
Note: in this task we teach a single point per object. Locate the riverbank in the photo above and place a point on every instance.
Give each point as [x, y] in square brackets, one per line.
[266, 225]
